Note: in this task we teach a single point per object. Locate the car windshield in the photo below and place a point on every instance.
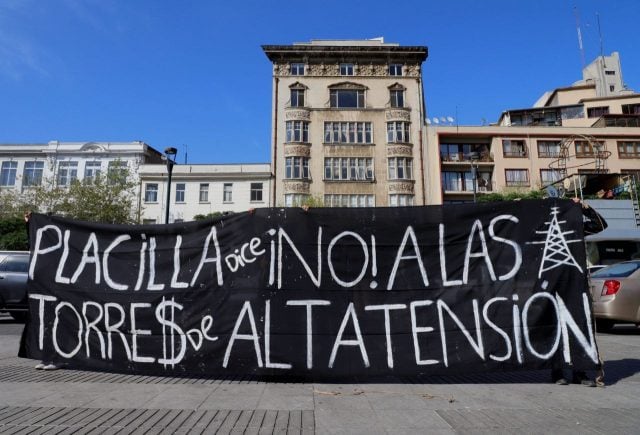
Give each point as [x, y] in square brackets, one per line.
[619, 270]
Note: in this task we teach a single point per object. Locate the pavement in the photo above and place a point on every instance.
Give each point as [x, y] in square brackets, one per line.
[71, 401]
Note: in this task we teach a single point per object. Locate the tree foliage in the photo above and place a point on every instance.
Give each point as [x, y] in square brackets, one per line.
[110, 198]
[13, 234]
[511, 195]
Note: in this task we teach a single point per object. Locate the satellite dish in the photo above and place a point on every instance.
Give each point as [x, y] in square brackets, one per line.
[450, 119]
[443, 119]
[435, 120]
[552, 192]
[428, 121]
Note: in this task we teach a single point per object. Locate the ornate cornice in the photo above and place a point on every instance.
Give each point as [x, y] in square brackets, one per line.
[297, 114]
[296, 186]
[399, 151]
[404, 186]
[397, 114]
[297, 150]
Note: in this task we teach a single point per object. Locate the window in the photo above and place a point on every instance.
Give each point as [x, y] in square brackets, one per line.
[587, 149]
[117, 171]
[612, 88]
[227, 192]
[597, 112]
[151, 192]
[400, 200]
[396, 97]
[8, 173]
[631, 109]
[297, 97]
[346, 98]
[297, 131]
[629, 149]
[15, 263]
[180, 188]
[517, 177]
[462, 181]
[346, 69]
[395, 69]
[204, 192]
[514, 148]
[67, 173]
[348, 132]
[549, 176]
[297, 69]
[610, 72]
[32, 174]
[348, 168]
[549, 148]
[148, 221]
[296, 167]
[92, 169]
[400, 168]
[355, 200]
[398, 131]
[295, 199]
[256, 192]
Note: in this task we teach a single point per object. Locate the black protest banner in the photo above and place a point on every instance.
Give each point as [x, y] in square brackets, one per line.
[328, 292]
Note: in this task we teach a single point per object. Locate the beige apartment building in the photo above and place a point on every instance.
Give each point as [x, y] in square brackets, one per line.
[347, 123]
[592, 126]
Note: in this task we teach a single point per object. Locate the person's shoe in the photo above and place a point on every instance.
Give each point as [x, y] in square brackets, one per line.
[582, 379]
[561, 381]
[557, 377]
[40, 366]
[50, 367]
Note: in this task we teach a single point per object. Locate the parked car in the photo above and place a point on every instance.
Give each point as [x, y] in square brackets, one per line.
[616, 294]
[14, 271]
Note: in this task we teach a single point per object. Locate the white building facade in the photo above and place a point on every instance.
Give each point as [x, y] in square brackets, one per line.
[203, 190]
[23, 166]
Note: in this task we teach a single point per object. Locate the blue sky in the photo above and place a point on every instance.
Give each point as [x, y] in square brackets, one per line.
[192, 74]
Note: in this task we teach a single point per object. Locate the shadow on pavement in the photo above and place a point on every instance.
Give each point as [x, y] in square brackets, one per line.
[617, 370]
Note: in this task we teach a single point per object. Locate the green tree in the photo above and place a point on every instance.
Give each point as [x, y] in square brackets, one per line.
[13, 234]
[511, 195]
[109, 198]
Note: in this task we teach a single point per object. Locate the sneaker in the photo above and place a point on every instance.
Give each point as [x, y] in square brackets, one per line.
[582, 379]
[562, 381]
[50, 367]
[557, 376]
[40, 366]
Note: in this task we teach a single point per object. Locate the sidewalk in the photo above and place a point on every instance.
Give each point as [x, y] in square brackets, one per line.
[68, 401]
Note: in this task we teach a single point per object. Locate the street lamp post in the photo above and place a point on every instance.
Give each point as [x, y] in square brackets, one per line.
[170, 155]
[474, 157]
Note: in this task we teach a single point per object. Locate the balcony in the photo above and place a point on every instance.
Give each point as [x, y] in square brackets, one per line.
[453, 157]
[466, 187]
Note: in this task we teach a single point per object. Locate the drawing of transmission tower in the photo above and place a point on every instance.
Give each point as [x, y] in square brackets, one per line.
[556, 247]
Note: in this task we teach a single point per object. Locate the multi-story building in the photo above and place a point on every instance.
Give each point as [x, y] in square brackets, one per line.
[592, 126]
[23, 166]
[347, 123]
[203, 189]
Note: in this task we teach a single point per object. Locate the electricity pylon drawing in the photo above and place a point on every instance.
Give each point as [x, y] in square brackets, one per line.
[556, 247]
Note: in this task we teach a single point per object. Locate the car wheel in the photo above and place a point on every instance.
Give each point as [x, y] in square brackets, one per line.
[19, 316]
[604, 325]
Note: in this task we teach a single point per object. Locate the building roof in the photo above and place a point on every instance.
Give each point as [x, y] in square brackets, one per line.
[332, 50]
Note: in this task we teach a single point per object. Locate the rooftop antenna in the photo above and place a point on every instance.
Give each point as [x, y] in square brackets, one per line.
[600, 35]
[186, 151]
[577, 15]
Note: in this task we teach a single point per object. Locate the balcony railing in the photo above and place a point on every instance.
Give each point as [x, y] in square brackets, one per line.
[464, 157]
[482, 186]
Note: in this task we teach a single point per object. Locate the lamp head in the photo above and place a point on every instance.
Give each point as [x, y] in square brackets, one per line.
[170, 151]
